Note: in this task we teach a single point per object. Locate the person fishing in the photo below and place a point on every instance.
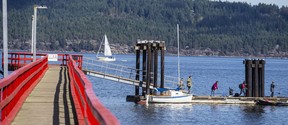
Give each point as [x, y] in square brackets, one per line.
[189, 83]
[272, 86]
[213, 88]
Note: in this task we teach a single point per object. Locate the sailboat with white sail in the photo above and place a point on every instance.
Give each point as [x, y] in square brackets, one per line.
[107, 51]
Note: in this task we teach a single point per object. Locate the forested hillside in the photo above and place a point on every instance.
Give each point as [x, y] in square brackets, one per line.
[223, 28]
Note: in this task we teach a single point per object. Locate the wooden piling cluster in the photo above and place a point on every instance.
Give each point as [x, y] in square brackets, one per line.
[254, 77]
[149, 50]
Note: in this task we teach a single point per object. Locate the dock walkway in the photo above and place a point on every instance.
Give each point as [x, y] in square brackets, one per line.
[50, 101]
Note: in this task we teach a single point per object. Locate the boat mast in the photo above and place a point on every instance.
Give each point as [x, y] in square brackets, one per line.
[178, 53]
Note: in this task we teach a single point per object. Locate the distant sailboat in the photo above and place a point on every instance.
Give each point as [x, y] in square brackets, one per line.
[107, 51]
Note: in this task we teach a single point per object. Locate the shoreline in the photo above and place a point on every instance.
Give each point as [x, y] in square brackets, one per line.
[168, 54]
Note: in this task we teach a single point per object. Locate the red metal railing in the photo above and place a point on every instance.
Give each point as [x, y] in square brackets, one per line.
[16, 87]
[89, 109]
[20, 59]
[17, 60]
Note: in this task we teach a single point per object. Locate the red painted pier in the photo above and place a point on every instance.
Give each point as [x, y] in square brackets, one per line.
[43, 93]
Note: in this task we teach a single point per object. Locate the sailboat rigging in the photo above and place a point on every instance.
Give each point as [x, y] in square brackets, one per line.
[107, 51]
[171, 95]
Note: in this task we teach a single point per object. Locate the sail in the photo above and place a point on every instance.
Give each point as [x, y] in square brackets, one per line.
[107, 50]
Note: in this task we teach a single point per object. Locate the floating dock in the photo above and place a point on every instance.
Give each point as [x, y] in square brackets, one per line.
[222, 100]
[217, 99]
[234, 100]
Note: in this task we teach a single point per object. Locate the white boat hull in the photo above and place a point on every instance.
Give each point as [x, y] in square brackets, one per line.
[168, 99]
[107, 59]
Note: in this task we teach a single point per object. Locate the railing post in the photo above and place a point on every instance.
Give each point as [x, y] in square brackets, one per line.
[18, 59]
[25, 59]
[62, 59]
[12, 61]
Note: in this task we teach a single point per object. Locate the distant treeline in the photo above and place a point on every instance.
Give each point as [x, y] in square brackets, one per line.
[220, 26]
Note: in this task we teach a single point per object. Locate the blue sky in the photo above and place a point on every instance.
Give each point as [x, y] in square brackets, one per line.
[280, 3]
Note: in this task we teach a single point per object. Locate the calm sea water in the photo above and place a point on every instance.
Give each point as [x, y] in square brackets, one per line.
[205, 71]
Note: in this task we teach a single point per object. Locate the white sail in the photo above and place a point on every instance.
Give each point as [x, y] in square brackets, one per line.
[107, 50]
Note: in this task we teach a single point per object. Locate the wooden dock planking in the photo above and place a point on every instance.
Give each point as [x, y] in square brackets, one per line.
[49, 102]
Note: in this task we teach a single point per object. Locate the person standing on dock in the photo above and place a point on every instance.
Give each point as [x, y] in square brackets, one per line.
[272, 86]
[230, 92]
[180, 85]
[214, 87]
[242, 88]
[189, 83]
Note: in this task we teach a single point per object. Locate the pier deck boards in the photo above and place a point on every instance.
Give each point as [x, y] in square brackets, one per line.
[49, 102]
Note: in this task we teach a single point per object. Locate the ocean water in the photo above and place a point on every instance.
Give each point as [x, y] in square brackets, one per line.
[205, 71]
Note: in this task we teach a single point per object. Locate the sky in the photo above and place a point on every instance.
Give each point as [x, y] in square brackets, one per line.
[280, 3]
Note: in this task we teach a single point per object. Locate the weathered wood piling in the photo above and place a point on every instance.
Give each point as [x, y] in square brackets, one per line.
[149, 72]
[149, 64]
[255, 77]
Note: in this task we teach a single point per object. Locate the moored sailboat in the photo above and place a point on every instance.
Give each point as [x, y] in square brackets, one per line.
[163, 95]
[169, 96]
